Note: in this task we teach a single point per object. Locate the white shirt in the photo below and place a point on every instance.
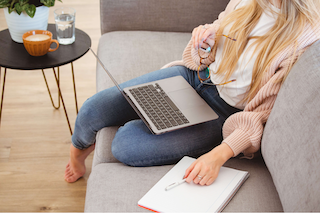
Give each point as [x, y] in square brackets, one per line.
[233, 93]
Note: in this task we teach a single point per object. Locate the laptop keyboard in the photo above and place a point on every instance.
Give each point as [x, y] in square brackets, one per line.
[158, 106]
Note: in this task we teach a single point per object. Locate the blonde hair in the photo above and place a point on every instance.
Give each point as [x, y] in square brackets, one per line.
[292, 18]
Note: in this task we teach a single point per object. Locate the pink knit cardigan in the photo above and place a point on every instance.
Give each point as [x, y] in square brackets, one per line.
[242, 131]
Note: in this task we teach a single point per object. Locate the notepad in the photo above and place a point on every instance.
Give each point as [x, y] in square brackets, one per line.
[190, 197]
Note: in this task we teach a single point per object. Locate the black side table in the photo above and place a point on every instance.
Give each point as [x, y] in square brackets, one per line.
[16, 57]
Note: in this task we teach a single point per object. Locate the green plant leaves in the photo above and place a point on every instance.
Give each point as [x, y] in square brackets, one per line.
[23, 2]
[22, 5]
[5, 3]
[18, 8]
[48, 3]
[31, 10]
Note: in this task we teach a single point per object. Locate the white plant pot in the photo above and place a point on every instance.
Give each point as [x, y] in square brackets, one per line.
[19, 24]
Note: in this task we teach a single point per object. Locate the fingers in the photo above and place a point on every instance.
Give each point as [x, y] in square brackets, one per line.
[201, 179]
[210, 181]
[190, 173]
[197, 175]
[201, 174]
[207, 180]
[200, 35]
[197, 36]
[186, 174]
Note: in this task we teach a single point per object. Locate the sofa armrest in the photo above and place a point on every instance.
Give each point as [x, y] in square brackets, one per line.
[158, 15]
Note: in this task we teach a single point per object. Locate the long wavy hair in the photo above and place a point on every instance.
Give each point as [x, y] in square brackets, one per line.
[290, 23]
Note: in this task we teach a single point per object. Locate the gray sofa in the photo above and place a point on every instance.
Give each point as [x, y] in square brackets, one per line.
[139, 36]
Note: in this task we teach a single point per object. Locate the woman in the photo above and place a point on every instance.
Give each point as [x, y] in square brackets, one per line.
[254, 44]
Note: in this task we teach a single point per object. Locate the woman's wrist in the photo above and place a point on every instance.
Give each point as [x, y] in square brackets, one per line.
[223, 152]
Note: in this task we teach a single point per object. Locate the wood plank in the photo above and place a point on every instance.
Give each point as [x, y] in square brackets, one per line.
[37, 184]
[5, 148]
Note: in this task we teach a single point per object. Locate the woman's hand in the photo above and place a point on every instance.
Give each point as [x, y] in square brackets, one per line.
[206, 168]
[203, 33]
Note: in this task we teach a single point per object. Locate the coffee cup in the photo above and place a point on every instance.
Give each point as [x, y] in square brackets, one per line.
[38, 42]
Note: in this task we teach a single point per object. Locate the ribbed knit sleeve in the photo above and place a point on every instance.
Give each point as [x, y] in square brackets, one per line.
[242, 131]
[191, 58]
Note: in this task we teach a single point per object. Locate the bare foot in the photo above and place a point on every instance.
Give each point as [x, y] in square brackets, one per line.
[76, 167]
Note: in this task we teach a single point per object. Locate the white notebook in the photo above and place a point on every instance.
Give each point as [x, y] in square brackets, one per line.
[191, 197]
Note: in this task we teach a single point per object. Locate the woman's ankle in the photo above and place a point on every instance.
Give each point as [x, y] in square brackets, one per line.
[80, 154]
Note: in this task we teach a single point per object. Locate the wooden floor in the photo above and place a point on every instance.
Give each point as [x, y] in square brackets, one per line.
[34, 137]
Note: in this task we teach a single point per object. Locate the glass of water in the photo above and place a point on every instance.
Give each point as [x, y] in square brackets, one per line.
[65, 25]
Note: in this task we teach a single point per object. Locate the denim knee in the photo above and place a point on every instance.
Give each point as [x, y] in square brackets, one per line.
[123, 146]
[135, 145]
[89, 116]
[86, 126]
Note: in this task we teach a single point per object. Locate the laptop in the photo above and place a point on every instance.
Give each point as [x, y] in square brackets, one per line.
[166, 105]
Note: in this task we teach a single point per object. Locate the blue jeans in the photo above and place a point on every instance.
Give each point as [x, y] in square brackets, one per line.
[134, 144]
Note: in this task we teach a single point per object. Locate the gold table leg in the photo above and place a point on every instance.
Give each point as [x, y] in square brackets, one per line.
[57, 78]
[59, 95]
[74, 88]
[64, 107]
[3, 86]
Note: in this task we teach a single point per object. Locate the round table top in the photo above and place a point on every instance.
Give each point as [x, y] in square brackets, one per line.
[13, 55]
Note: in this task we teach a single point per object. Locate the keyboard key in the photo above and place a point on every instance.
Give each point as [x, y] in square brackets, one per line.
[158, 106]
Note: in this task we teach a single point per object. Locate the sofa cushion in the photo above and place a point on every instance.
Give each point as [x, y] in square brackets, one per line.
[131, 54]
[291, 139]
[258, 193]
[102, 152]
[114, 187]
[155, 15]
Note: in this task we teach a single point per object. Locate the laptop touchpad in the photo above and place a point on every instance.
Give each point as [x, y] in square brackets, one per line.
[186, 98]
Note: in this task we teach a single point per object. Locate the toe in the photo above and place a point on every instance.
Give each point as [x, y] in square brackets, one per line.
[68, 174]
[68, 165]
[73, 178]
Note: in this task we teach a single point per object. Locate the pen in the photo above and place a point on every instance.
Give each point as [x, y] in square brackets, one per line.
[175, 184]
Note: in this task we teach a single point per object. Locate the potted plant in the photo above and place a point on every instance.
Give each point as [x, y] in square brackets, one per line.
[26, 15]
